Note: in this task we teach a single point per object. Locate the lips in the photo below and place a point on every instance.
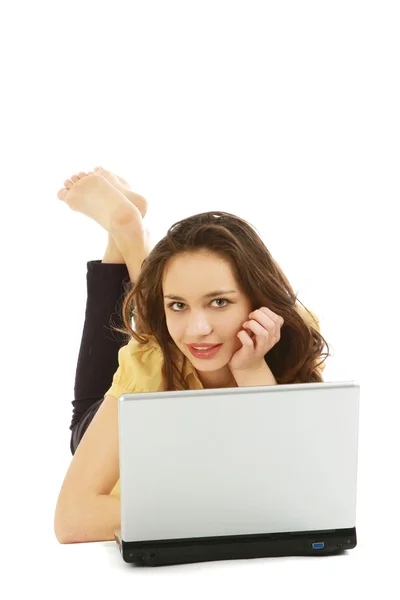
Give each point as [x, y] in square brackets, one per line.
[202, 345]
[205, 354]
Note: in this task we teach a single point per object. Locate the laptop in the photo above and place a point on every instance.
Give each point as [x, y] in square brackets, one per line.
[233, 473]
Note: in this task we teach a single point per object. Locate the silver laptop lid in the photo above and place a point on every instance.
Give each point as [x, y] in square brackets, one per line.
[237, 461]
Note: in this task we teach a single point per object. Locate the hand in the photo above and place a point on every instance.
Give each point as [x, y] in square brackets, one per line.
[265, 326]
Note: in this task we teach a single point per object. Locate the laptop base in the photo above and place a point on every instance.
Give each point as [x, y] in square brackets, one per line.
[190, 550]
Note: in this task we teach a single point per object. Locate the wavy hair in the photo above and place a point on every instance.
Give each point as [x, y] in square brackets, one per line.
[293, 359]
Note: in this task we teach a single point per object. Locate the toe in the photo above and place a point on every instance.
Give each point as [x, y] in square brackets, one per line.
[68, 184]
[62, 193]
[74, 178]
[112, 177]
[123, 181]
[82, 174]
[106, 174]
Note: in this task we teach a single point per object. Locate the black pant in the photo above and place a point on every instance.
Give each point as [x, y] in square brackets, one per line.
[98, 355]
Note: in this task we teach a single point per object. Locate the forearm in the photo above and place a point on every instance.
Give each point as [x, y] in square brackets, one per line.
[95, 523]
[261, 376]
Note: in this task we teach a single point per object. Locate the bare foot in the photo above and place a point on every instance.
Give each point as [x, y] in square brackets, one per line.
[124, 187]
[139, 201]
[94, 196]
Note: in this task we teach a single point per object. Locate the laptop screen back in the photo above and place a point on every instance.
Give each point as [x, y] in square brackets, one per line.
[237, 461]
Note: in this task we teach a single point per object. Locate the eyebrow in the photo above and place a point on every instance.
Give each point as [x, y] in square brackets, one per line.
[217, 293]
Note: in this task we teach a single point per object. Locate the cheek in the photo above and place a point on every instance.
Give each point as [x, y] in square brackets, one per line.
[232, 328]
[174, 327]
[237, 322]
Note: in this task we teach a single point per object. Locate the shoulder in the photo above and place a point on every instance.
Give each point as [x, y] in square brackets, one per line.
[141, 353]
[148, 346]
[145, 358]
[140, 367]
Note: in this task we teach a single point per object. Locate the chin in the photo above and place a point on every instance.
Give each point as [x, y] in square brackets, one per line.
[212, 364]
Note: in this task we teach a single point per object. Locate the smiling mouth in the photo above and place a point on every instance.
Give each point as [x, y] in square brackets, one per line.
[204, 352]
[202, 347]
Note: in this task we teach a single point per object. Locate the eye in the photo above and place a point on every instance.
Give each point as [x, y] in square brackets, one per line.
[216, 300]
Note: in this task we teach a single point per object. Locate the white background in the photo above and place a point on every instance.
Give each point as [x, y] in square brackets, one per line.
[284, 113]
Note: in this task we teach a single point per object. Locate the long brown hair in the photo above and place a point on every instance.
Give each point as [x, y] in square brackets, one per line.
[293, 359]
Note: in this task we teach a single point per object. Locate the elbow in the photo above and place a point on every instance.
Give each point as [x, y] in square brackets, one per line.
[64, 527]
[62, 540]
[66, 534]
[61, 537]
[61, 533]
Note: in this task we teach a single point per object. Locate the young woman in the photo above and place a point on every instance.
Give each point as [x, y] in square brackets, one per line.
[210, 282]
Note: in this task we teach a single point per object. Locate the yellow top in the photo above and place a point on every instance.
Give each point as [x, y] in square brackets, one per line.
[140, 368]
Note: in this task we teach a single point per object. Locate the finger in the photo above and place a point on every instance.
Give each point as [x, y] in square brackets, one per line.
[265, 322]
[246, 339]
[276, 320]
[256, 327]
[272, 315]
[264, 335]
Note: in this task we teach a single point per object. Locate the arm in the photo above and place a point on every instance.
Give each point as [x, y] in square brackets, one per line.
[98, 354]
[85, 511]
[102, 517]
[262, 376]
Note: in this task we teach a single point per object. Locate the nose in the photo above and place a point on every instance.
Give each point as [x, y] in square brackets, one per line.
[198, 325]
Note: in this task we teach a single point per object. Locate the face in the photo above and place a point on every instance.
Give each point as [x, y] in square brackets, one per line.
[193, 318]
